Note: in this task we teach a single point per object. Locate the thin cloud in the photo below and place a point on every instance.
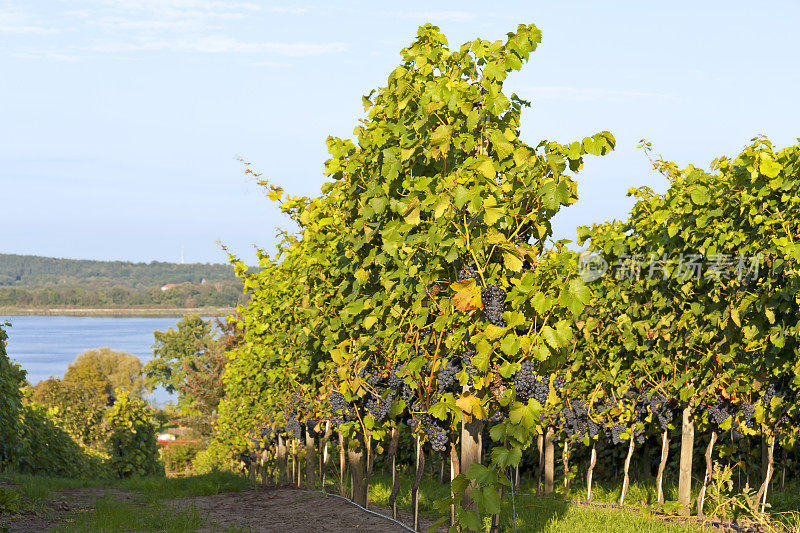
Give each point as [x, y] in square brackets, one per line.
[220, 45]
[45, 54]
[585, 93]
[435, 16]
[19, 23]
[289, 10]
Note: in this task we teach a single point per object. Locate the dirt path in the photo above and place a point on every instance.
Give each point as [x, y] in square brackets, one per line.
[61, 506]
[271, 509]
[290, 509]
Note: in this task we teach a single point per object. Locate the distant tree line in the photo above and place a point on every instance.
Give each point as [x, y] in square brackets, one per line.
[186, 295]
[35, 272]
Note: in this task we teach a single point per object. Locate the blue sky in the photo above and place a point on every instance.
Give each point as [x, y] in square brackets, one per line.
[121, 121]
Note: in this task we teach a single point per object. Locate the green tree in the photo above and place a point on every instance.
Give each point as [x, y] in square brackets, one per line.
[74, 406]
[175, 347]
[104, 370]
[190, 360]
[132, 438]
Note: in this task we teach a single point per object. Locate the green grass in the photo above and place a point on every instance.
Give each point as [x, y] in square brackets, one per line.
[540, 513]
[148, 512]
[112, 515]
[202, 485]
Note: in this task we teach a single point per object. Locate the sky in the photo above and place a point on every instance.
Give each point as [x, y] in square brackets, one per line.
[122, 122]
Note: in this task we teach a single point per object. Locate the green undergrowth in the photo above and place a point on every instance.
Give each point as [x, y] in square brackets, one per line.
[150, 509]
[111, 514]
[539, 513]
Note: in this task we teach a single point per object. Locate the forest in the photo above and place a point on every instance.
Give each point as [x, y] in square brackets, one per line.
[41, 282]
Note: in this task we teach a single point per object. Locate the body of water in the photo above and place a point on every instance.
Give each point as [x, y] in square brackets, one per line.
[45, 345]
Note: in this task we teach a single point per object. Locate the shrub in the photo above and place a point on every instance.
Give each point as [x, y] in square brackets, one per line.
[178, 456]
[215, 458]
[11, 376]
[132, 438]
[75, 407]
[44, 448]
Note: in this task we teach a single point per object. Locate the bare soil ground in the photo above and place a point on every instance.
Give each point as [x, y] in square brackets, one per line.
[279, 509]
[62, 505]
[267, 509]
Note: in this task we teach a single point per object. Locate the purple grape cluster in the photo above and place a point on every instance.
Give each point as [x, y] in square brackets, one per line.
[493, 299]
[528, 385]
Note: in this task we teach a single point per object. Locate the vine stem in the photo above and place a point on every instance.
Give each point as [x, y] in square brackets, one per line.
[661, 466]
[590, 471]
[626, 479]
[709, 469]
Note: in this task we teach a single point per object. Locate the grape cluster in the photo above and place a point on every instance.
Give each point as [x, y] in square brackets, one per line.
[769, 394]
[466, 362]
[437, 435]
[493, 299]
[406, 393]
[371, 375]
[395, 381]
[337, 401]
[718, 412]
[559, 382]
[613, 433]
[577, 421]
[293, 427]
[446, 378]
[248, 458]
[467, 272]
[612, 430]
[660, 407]
[379, 407]
[528, 385]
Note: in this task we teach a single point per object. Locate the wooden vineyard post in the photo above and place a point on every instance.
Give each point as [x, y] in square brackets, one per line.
[687, 448]
[471, 445]
[342, 464]
[662, 465]
[590, 471]
[282, 466]
[296, 472]
[355, 453]
[549, 461]
[709, 470]
[784, 460]
[454, 471]
[762, 491]
[311, 459]
[323, 467]
[264, 462]
[565, 464]
[420, 469]
[540, 465]
[626, 478]
[370, 462]
[516, 478]
[393, 442]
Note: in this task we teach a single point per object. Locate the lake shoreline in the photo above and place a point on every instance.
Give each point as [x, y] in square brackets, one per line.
[113, 312]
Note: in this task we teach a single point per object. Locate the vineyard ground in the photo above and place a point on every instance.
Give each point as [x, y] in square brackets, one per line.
[228, 503]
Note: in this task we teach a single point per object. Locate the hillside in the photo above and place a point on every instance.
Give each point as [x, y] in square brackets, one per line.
[30, 282]
[33, 272]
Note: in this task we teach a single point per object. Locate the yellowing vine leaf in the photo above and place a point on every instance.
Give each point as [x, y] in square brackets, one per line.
[467, 296]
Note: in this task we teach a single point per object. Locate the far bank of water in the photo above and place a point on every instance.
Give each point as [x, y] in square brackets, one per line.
[45, 345]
